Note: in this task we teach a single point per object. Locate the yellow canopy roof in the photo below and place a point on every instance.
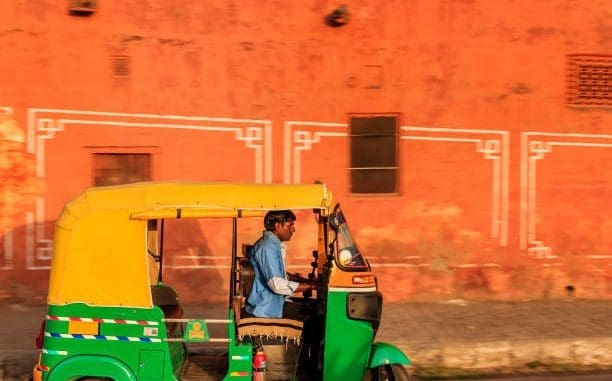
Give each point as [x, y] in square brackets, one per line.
[99, 248]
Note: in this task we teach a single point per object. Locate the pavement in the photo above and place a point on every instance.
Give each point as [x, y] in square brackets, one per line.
[449, 338]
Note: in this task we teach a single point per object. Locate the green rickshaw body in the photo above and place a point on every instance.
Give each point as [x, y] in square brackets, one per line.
[351, 356]
[109, 341]
[129, 344]
[348, 353]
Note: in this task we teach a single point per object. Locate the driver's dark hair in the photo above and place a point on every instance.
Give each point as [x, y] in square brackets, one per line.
[277, 216]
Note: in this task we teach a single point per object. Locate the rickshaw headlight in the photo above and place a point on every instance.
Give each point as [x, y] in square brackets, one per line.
[345, 256]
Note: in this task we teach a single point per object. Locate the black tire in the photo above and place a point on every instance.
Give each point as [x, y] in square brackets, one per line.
[393, 372]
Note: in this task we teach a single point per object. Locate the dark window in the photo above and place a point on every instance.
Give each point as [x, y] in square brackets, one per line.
[373, 154]
[121, 168]
[589, 79]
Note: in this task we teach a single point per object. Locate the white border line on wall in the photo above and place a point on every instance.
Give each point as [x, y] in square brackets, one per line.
[534, 146]
[304, 139]
[257, 134]
[495, 146]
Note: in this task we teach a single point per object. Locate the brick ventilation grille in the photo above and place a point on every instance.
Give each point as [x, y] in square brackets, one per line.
[121, 66]
[589, 79]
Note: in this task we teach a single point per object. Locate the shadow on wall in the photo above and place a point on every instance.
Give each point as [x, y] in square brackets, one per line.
[20, 279]
[189, 266]
[24, 276]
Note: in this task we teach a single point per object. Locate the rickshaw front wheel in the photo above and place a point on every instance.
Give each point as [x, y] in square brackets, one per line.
[392, 372]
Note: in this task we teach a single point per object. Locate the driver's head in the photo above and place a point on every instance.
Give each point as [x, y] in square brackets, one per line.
[281, 223]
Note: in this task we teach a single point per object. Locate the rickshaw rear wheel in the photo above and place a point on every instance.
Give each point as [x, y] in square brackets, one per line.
[393, 372]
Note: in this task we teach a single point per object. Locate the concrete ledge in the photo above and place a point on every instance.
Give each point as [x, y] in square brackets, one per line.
[476, 356]
[556, 352]
[511, 356]
[593, 351]
[524, 353]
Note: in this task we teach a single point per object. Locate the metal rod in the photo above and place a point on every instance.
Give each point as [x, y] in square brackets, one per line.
[234, 256]
[209, 341]
[212, 321]
[161, 252]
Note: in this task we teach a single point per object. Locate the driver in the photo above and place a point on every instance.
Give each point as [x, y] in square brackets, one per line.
[272, 285]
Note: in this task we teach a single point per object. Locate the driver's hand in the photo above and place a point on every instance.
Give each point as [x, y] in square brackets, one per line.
[297, 277]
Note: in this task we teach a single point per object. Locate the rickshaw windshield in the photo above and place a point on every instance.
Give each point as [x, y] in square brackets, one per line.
[347, 254]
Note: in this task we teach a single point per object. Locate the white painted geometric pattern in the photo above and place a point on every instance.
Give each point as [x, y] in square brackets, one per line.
[45, 124]
[300, 136]
[493, 144]
[534, 147]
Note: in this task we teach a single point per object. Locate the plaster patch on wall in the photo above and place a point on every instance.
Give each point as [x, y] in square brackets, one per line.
[424, 235]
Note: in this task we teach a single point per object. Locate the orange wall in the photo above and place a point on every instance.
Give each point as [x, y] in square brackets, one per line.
[504, 189]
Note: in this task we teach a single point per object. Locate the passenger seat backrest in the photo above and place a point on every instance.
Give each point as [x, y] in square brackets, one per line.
[247, 274]
[166, 298]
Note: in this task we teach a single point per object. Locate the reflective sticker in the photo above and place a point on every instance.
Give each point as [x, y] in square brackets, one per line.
[101, 337]
[239, 374]
[83, 327]
[54, 352]
[151, 331]
[100, 320]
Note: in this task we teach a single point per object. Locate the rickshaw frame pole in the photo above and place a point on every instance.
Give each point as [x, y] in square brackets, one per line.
[161, 251]
[234, 256]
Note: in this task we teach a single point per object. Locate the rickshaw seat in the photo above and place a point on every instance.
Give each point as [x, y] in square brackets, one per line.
[281, 340]
[282, 336]
[166, 298]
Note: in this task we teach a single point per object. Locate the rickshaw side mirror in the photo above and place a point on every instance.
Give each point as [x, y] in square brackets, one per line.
[333, 222]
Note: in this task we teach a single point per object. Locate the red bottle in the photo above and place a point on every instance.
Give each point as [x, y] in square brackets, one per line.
[259, 365]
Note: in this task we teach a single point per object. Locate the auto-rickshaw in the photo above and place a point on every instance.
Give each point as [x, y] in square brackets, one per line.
[110, 315]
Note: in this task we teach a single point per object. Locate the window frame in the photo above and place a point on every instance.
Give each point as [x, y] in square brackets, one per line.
[100, 150]
[396, 168]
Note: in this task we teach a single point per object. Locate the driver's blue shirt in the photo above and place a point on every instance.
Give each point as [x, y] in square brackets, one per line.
[269, 265]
